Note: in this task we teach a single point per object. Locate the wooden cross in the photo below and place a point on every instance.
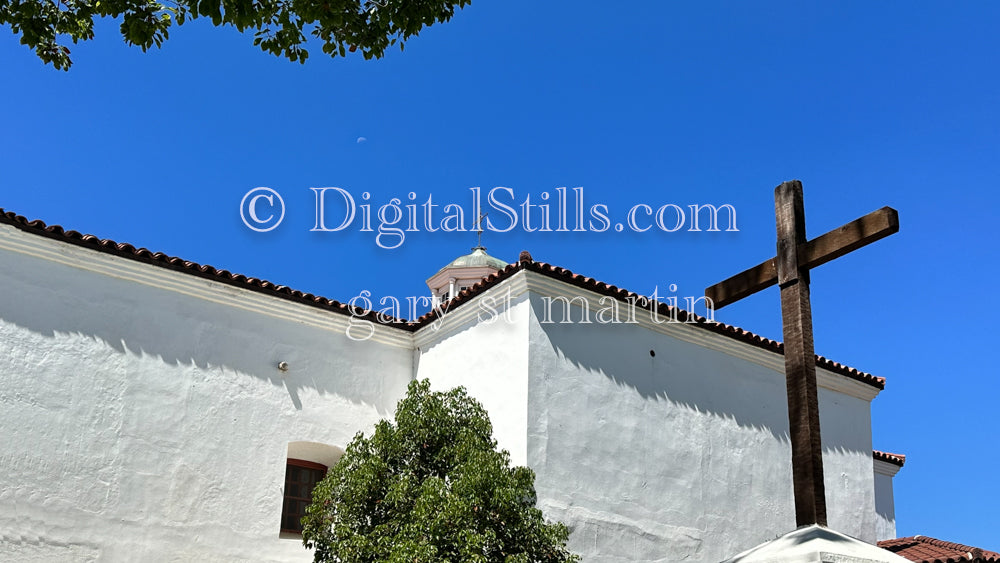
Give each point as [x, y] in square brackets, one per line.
[790, 270]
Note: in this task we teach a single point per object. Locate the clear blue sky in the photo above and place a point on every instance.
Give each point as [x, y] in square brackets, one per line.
[869, 104]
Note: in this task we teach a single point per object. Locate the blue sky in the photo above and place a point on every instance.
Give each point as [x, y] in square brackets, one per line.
[869, 104]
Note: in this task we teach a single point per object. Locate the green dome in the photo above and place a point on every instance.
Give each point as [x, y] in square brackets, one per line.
[476, 258]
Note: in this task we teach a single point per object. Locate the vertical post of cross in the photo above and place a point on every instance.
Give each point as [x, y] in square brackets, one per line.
[800, 359]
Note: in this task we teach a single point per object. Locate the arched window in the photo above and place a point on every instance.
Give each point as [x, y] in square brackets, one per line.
[306, 466]
[301, 477]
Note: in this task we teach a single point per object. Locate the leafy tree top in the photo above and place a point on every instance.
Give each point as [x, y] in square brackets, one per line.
[431, 487]
[280, 27]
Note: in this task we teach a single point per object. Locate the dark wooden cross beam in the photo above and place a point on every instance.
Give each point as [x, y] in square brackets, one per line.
[790, 270]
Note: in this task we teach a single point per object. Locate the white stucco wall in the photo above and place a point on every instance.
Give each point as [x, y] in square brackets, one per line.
[483, 346]
[144, 417]
[150, 424]
[681, 456]
[885, 504]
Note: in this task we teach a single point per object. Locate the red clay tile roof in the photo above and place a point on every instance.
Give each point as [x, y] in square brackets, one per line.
[923, 549]
[129, 251]
[895, 459]
[126, 250]
[663, 309]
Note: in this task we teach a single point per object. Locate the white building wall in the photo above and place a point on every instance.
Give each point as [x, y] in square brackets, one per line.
[150, 421]
[681, 456]
[845, 422]
[483, 346]
[144, 417]
[885, 504]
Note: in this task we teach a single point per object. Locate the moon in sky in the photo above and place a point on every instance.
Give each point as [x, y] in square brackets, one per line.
[361, 140]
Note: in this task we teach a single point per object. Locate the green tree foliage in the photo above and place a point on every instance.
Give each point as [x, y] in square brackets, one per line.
[430, 488]
[280, 27]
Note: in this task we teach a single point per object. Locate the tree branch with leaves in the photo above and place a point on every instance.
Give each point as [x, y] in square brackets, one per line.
[280, 27]
[431, 487]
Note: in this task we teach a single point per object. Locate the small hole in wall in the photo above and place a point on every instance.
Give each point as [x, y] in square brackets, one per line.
[652, 353]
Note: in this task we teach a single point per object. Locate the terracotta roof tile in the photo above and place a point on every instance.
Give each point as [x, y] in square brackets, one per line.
[895, 459]
[923, 549]
[162, 260]
[126, 250]
[663, 309]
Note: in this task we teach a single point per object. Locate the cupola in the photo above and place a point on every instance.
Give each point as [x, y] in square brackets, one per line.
[462, 273]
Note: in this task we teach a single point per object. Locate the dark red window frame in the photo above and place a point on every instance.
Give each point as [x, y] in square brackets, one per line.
[300, 478]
